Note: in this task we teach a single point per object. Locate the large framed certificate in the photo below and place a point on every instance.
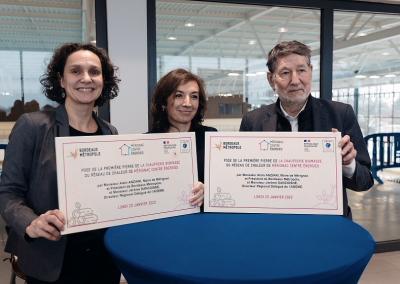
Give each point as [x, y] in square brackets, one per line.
[273, 172]
[105, 181]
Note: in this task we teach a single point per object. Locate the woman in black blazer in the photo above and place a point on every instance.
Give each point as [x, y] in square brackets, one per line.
[178, 105]
[78, 77]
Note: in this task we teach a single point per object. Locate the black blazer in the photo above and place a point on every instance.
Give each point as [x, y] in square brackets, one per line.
[326, 115]
[200, 147]
[29, 188]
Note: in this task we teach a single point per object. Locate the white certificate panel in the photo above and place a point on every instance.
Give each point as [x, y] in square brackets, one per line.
[106, 181]
[273, 172]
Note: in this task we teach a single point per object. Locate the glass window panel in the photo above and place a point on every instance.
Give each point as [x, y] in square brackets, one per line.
[371, 69]
[10, 82]
[232, 109]
[386, 125]
[26, 47]
[373, 124]
[386, 104]
[396, 125]
[220, 45]
[374, 109]
[363, 105]
[363, 122]
[396, 105]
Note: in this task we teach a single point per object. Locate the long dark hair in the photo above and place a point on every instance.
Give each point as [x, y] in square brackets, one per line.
[167, 87]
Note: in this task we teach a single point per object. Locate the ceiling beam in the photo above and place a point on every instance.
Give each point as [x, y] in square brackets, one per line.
[35, 36]
[41, 4]
[193, 3]
[351, 27]
[38, 24]
[41, 15]
[269, 18]
[286, 25]
[45, 31]
[260, 28]
[258, 39]
[240, 40]
[182, 23]
[236, 25]
[364, 40]
[187, 32]
[184, 40]
[228, 16]
[221, 74]
[362, 26]
[395, 47]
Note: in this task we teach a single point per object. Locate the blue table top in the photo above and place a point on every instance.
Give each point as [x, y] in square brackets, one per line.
[241, 248]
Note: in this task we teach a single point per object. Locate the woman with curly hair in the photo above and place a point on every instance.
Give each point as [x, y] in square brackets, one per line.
[178, 104]
[78, 77]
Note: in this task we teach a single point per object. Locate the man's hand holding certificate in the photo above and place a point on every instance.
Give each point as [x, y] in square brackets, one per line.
[285, 172]
[106, 181]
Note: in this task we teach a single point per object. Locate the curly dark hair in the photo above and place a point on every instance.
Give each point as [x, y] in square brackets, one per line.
[166, 87]
[50, 79]
[285, 48]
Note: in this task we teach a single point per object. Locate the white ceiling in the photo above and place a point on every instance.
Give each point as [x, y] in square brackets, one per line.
[224, 31]
[45, 25]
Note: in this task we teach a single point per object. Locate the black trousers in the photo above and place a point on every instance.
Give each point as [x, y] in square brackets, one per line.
[86, 260]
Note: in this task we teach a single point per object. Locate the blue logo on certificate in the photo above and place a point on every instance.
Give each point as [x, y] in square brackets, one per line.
[185, 146]
[328, 146]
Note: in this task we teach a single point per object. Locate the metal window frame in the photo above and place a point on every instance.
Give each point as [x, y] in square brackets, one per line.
[102, 41]
[327, 8]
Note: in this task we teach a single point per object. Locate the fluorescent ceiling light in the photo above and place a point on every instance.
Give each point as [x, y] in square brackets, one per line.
[385, 53]
[390, 75]
[92, 41]
[250, 74]
[261, 73]
[360, 76]
[374, 77]
[172, 38]
[282, 30]
[362, 34]
[225, 95]
[233, 74]
[6, 94]
[189, 25]
[252, 42]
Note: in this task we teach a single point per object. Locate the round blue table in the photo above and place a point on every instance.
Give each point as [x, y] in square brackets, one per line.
[241, 248]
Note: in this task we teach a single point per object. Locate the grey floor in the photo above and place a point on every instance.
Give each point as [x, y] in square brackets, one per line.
[377, 210]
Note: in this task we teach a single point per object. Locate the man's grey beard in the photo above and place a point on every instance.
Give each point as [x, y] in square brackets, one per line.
[287, 100]
[294, 101]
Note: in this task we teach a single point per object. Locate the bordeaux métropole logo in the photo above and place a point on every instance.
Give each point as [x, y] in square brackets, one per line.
[83, 152]
[73, 154]
[227, 145]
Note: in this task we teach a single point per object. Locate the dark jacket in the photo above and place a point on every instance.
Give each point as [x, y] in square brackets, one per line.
[325, 116]
[200, 147]
[29, 188]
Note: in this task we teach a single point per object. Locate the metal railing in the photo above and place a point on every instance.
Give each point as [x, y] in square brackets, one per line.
[385, 151]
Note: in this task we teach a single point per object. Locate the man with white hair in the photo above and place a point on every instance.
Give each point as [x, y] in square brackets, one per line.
[290, 75]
